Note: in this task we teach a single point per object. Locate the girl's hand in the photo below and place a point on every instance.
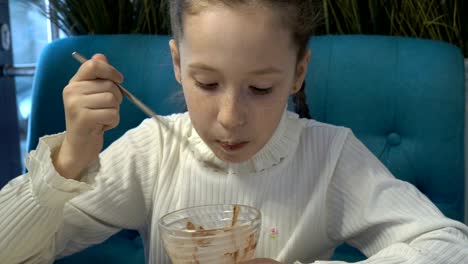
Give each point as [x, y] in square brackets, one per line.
[261, 261]
[92, 102]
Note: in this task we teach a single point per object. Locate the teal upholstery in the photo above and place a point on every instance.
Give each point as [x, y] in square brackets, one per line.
[404, 98]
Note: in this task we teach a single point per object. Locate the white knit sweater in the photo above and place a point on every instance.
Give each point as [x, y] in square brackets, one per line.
[316, 184]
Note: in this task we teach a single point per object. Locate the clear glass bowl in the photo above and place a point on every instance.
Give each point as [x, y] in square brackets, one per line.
[219, 233]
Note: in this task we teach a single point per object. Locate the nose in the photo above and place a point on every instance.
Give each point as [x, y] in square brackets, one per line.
[232, 112]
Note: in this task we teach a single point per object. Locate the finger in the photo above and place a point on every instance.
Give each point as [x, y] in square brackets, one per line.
[107, 128]
[97, 68]
[92, 87]
[104, 86]
[99, 117]
[99, 101]
[99, 56]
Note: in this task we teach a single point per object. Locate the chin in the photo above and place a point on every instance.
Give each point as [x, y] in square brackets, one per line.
[238, 158]
[232, 160]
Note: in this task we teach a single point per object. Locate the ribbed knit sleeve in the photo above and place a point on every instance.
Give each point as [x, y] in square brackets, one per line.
[43, 215]
[31, 207]
[389, 220]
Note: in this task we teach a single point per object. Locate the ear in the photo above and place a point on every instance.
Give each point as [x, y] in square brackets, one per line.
[301, 71]
[175, 60]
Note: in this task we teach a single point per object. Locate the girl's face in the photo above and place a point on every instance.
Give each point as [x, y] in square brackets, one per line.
[237, 67]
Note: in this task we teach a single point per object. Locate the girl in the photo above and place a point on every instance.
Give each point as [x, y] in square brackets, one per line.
[237, 61]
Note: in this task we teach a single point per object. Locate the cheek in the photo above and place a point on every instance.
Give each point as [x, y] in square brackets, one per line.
[275, 105]
[267, 116]
[192, 96]
[188, 95]
[200, 107]
[270, 118]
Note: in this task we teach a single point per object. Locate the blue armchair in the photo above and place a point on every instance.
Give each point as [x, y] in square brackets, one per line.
[404, 98]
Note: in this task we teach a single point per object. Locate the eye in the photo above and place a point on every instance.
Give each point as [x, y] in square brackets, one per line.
[206, 86]
[261, 91]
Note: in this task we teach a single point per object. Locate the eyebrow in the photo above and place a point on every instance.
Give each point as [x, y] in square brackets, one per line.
[269, 70]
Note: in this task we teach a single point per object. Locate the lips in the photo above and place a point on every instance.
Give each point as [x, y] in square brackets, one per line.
[232, 146]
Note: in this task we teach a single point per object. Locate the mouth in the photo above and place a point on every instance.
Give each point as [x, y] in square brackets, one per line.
[232, 146]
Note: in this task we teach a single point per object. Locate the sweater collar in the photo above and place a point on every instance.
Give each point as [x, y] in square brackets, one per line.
[283, 143]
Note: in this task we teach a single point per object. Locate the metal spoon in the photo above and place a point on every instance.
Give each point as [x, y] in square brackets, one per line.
[153, 115]
[150, 113]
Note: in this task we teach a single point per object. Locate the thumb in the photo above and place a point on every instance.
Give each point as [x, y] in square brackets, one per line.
[99, 56]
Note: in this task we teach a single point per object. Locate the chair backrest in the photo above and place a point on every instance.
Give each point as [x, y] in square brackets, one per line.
[403, 97]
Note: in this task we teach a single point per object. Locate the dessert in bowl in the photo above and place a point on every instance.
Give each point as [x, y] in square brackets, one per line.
[211, 233]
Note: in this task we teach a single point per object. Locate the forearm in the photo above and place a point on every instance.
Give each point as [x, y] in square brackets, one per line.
[26, 226]
[387, 219]
[444, 246]
[31, 210]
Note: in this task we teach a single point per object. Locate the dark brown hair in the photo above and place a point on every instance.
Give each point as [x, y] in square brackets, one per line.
[299, 15]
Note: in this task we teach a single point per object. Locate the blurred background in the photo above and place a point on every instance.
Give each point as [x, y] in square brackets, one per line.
[35, 23]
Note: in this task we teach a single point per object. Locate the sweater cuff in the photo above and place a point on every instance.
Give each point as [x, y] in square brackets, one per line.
[51, 189]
